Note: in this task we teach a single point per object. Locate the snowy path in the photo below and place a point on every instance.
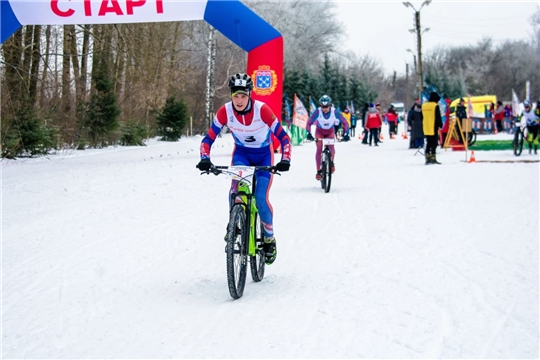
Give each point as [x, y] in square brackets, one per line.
[118, 253]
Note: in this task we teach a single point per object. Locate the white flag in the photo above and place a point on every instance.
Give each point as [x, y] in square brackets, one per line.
[515, 104]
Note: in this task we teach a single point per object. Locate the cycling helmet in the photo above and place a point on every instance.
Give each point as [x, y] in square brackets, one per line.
[526, 103]
[240, 83]
[325, 101]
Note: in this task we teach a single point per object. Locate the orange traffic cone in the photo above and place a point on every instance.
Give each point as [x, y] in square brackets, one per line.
[472, 159]
[392, 137]
[405, 135]
[361, 136]
[381, 137]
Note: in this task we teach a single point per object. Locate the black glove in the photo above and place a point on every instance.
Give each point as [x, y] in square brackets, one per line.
[346, 137]
[283, 165]
[204, 165]
[309, 137]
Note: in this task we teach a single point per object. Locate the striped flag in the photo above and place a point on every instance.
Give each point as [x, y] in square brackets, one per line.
[312, 106]
[300, 114]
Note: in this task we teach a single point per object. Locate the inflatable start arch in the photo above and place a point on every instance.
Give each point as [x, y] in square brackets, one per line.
[260, 40]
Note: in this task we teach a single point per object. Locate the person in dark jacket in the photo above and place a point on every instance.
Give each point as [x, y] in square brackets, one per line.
[431, 123]
[417, 132]
[363, 117]
[461, 113]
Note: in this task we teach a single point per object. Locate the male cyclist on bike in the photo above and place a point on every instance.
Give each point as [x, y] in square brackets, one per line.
[251, 123]
[533, 125]
[326, 117]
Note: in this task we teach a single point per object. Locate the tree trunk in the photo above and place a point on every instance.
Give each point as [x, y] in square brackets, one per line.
[45, 66]
[84, 61]
[13, 53]
[210, 72]
[75, 62]
[27, 60]
[34, 71]
[120, 63]
[66, 76]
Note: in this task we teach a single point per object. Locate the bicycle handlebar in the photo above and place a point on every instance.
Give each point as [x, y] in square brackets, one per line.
[219, 169]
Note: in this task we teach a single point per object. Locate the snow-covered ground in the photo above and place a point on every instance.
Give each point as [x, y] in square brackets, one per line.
[119, 253]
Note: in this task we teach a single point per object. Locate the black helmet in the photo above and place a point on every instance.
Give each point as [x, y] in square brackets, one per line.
[241, 83]
[325, 100]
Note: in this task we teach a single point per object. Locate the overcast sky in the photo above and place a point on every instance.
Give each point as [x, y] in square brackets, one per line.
[382, 28]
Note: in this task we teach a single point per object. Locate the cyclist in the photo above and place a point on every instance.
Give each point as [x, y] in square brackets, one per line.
[326, 117]
[251, 123]
[532, 121]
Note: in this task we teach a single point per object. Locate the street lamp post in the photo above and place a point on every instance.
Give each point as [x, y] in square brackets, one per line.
[418, 41]
[415, 70]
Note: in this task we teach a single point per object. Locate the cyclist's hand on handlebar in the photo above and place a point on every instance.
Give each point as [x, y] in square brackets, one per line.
[309, 137]
[346, 137]
[204, 165]
[283, 165]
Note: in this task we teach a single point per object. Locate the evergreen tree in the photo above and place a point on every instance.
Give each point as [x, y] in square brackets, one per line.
[326, 77]
[27, 135]
[173, 119]
[101, 119]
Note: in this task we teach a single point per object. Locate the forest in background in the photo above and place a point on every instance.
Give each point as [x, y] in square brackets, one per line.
[78, 86]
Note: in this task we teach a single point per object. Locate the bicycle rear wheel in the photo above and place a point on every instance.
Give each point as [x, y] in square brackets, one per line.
[257, 262]
[518, 143]
[236, 249]
[471, 138]
[327, 173]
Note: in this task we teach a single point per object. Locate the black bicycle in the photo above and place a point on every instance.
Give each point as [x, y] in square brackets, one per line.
[245, 230]
[519, 138]
[326, 164]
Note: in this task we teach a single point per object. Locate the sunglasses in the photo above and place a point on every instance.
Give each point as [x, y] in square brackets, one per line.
[325, 106]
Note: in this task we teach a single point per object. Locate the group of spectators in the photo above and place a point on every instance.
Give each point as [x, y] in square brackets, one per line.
[372, 118]
[416, 118]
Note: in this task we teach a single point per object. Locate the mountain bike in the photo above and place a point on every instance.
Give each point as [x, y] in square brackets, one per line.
[519, 138]
[245, 229]
[326, 164]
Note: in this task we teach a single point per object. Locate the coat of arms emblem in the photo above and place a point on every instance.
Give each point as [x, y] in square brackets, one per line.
[265, 80]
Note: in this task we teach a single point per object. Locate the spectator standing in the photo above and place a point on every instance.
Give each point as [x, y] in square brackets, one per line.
[347, 115]
[431, 123]
[392, 118]
[373, 124]
[499, 116]
[461, 113]
[415, 121]
[409, 122]
[354, 118]
[383, 117]
[363, 119]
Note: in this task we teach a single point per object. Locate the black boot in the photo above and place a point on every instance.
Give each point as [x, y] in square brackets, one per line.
[428, 159]
[530, 148]
[535, 149]
[434, 159]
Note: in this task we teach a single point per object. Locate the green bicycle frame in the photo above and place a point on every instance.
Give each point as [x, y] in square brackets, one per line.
[248, 199]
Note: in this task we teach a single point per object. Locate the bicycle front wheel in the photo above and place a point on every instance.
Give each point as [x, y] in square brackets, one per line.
[236, 249]
[518, 143]
[327, 173]
[257, 262]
